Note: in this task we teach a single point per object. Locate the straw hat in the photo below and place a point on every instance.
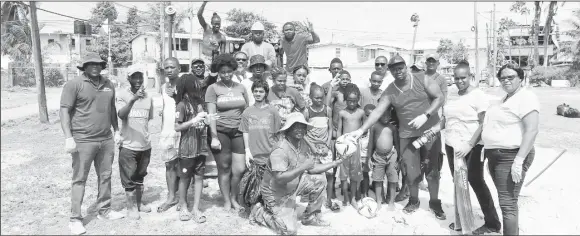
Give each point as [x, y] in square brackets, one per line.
[92, 57]
[294, 117]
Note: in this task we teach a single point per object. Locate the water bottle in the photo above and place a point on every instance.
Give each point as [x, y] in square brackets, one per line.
[427, 136]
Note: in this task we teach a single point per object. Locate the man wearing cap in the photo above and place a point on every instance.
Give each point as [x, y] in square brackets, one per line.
[292, 173]
[257, 67]
[198, 70]
[258, 47]
[417, 68]
[87, 113]
[416, 101]
[432, 63]
[294, 45]
[135, 111]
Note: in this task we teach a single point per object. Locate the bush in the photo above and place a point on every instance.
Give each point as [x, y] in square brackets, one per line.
[53, 77]
[547, 74]
[24, 75]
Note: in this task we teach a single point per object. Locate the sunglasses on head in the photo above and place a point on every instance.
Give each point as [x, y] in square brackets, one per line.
[380, 64]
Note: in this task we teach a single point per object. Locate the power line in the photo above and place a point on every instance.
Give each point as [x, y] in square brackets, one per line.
[56, 13]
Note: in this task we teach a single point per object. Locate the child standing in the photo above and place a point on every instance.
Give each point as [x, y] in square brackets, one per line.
[384, 159]
[319, 137]
[260, 123]
[363, 144]
[190, 120]
[301, 82]
[350, 120]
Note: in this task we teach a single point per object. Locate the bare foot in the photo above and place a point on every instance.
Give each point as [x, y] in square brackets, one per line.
[378, 209]
[391, 207]
[227, 206]
[167, 204]
[354, 204]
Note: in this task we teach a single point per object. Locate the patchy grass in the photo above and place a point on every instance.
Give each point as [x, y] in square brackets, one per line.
[36, 182]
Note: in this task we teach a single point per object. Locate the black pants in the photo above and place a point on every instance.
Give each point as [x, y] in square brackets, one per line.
[133, 167]
[477, 182]
[500, 164]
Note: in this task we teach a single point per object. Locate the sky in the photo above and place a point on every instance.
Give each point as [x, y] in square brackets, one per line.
[347, 22]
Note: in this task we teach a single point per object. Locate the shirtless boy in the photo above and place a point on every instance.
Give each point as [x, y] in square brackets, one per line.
[384, 160]
[349, 120]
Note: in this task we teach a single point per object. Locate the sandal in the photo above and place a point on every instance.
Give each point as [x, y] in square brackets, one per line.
[165, 206]
[184, 215]
[333, 206]
[199, 218]
[452, 227]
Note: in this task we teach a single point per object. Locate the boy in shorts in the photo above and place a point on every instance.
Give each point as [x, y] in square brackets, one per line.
[363, 144]
[384, 160]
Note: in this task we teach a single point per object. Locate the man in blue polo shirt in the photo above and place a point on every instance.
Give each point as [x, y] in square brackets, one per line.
[87, 113]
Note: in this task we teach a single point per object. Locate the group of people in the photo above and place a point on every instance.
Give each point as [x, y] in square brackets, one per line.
[273, 134]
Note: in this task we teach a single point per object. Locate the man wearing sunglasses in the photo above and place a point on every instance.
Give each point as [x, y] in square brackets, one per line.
[242, 72]
[198, 70]
[381, 67]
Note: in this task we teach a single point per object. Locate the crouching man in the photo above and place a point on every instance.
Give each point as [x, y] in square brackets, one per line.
[292, 173]
[135, 111]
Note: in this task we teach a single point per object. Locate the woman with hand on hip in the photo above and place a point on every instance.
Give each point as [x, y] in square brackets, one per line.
[510, 128]
[464, 117]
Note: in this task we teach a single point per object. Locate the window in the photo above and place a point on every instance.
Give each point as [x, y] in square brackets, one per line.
[419, 52]
[337, 52]
[184, 68]
[72, 43]
[87, 42]
[145, 44]
[179, 44]
[50, 40]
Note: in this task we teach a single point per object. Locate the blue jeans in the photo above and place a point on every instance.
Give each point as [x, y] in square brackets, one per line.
[500, 164]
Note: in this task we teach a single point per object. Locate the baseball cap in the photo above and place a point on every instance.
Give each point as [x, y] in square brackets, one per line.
[432, 55]
[134, 69]
[197, 60]
[396, 60]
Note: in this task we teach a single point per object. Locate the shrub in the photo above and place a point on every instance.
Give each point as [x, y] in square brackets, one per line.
[547, 74]
[53, 77]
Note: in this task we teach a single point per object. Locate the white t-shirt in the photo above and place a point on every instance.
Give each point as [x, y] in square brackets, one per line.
[462, 117]
[503, 127]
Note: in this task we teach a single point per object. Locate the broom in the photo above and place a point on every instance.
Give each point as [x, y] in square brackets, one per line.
[464, 218]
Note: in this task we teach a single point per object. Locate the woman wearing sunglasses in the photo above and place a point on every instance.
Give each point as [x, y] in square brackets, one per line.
[510, 128]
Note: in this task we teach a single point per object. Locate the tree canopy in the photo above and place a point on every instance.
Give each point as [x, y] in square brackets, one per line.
[241, 24]
[452, 52]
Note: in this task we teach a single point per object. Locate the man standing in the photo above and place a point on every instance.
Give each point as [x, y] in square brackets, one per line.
[294, 45]
[416, 101]
[258, 46]
[135, 112]
[381, 67]
[432, 63]
[87, 113]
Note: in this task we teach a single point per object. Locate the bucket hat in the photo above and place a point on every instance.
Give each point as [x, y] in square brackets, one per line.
[91, 57]
[292, 118]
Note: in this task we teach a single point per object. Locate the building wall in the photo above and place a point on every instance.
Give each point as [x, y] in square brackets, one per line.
[321, 56]
[66, 51]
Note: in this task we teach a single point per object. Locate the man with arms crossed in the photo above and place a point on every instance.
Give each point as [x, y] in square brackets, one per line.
[87, 112]
[416, 101]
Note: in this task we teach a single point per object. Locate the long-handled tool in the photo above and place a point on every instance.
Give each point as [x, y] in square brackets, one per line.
[523, 191]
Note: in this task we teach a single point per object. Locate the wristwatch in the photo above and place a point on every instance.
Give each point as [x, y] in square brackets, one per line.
[427, 115]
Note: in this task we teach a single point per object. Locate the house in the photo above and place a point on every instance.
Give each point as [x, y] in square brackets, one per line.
[351, 54]
[145, 48]
[520, 48]
[59, 45]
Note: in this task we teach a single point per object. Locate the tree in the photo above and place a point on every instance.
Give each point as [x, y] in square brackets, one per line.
[451, 52]
[101, 12]
[242, 22]
[536, 32]
[15, 35]
[548, 29]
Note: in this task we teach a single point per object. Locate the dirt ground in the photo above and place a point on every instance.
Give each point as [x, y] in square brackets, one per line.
[36, 182]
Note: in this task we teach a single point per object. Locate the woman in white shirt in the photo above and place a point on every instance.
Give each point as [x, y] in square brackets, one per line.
[464, 117]
[510, 128]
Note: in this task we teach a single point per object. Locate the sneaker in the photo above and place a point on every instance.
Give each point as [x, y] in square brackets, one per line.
[315, 220]
[412, 206]
[76, 227]
[112, 215]
[435, 207]
[484, 230]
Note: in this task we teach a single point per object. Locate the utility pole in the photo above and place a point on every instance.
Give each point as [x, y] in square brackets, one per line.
[488, 51]
[477, 73]
[494, 59]
[39, 74]
[161, 79]
[170, 10]
[191, 19]
[415, 20]
[110, 61]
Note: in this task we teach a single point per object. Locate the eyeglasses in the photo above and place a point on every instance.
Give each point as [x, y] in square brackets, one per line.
[380, 64]
[510, 78]
[241, 59]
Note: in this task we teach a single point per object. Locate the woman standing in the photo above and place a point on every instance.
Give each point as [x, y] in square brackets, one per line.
[285, 99]
[509, 131]
[301, 82]
[464, 117]
[228, 100]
